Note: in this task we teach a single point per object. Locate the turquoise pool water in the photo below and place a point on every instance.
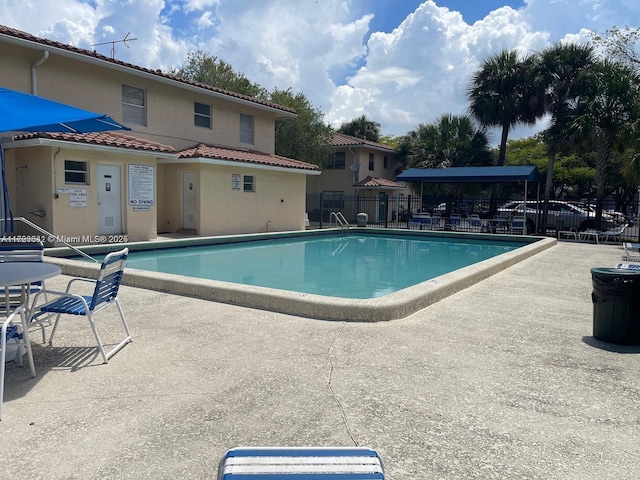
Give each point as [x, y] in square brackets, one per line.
[356, 266]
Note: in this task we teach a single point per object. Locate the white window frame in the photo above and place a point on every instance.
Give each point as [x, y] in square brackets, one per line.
[248, 183]
[135, 113]
[73, 171]
[203, 117]
[247, 129]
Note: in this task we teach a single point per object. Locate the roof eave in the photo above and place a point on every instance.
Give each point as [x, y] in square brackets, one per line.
[52, 142]
[238, 163]
[133, 71]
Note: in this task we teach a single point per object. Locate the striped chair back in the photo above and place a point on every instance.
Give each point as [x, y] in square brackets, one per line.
[109, 278]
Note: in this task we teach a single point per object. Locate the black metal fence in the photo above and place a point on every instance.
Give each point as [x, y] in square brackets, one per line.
[397, 211]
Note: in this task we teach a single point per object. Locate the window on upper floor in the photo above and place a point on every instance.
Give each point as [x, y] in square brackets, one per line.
[371, 162]
[134, 107]
[385, 162]
[336, 161]
[249, 182]
[246, 128]
[202, 115]
[76, 172]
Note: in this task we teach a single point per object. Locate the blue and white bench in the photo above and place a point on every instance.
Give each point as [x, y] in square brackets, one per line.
[298, 463]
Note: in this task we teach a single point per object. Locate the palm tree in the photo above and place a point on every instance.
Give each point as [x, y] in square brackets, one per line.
[603, 118]
[450, 141]
[501, 94]
[362, 127]
[561, 72]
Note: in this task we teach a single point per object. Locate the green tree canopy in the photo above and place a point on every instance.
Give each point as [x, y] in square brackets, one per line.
[306, 137]
[203, 68]
[362, 127]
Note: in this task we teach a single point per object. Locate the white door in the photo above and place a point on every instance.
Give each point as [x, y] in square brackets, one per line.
[109, 200]
[189, 200]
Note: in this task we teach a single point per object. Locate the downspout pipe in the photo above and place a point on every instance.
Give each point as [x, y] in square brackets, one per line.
[34, 72]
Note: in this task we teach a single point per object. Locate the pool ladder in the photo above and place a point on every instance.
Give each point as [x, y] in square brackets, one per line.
[340, 220]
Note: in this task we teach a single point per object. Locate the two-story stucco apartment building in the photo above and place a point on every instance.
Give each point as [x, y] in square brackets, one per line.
[197, 159]
[359, 167]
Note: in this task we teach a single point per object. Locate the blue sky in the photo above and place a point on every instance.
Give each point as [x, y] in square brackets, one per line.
[399, 62]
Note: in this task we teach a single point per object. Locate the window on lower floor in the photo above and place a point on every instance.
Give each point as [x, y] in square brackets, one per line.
[249, 182]
[202, 115]
[333, 199]
[75, 172]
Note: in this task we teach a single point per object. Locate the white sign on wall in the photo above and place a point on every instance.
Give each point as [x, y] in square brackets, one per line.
[235, 181]
[77, 197]
[141, 185]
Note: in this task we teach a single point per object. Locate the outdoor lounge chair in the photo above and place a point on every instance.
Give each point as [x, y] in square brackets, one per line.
[453, 223]
[14, 334]
[284, 463]
[631, 252]
[615, 234]
[475, 223]
[105, 293]
[517, 225]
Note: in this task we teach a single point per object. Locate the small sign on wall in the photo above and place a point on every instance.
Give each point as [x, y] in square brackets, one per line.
[236, 180]
[77, 197]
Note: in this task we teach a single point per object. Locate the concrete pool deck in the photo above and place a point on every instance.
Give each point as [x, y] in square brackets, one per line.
[392, 306]
[502, 380]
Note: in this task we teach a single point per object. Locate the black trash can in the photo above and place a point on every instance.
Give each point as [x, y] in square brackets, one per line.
[616, 305]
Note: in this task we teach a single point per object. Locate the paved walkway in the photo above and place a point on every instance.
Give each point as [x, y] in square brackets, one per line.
[500, 381]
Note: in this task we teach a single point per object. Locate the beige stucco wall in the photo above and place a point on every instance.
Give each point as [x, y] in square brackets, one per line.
[170, 118]
[276, 205]
[36, 179]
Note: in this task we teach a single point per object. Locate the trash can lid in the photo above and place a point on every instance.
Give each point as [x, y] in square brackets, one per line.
[614, 271]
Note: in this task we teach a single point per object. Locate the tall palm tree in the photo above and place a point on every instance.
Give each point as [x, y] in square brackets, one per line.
[603, 118]
[561, 74]
[501, 94]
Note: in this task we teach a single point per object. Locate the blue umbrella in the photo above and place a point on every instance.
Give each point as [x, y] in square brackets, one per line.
[21, 112]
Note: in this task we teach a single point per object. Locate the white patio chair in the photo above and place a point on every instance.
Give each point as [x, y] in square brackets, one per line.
[14, 333]
[105, 293]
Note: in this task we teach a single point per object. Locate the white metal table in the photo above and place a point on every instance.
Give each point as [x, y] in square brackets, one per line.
[24, 274]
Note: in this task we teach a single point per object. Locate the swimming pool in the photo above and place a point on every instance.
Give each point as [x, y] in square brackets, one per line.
[356, 265]
[382, 302]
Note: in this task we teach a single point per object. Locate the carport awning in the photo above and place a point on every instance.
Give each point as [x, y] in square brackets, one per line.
[471, 175]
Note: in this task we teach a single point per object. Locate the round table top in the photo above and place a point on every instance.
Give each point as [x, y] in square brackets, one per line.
[22, 273]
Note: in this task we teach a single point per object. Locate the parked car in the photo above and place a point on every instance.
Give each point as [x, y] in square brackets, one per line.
[561, 215]
[618, 217]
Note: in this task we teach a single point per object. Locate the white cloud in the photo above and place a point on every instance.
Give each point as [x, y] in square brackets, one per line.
[411, 75]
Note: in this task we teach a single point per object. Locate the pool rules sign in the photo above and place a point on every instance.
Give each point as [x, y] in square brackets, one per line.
[141, 186]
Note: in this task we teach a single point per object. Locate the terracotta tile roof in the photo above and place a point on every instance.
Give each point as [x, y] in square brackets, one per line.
[12, 32]
[342, 140]
[245, 156]
[373, 182]
[108, 139]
